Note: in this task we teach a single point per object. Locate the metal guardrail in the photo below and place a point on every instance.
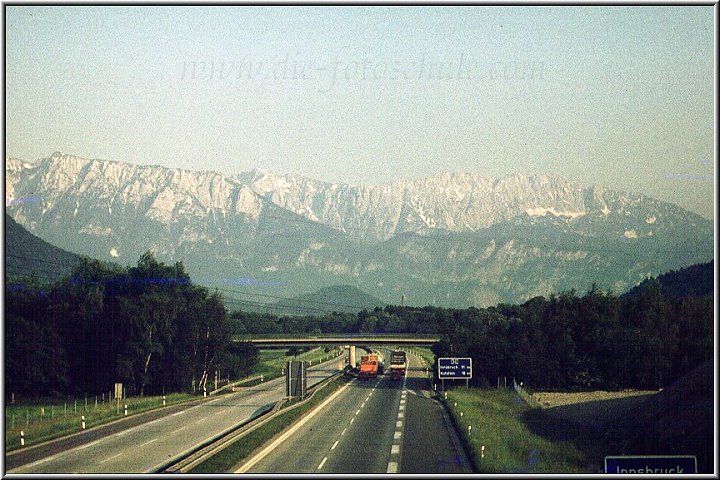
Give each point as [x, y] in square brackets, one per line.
[230, 385]
[193, 457]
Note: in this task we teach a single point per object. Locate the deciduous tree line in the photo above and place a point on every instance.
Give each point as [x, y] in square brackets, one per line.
[566, 341]
[150, 328]
[147, 327]
[597, 341]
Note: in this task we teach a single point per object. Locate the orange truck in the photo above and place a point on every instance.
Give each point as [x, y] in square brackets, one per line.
[369, 366]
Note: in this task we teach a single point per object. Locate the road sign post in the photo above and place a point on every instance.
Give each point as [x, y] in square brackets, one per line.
[455, 369]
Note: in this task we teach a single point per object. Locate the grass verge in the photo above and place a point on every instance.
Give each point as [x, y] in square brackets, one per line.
[42, 422]
[497, 421]
[241, 450]
[426, 354]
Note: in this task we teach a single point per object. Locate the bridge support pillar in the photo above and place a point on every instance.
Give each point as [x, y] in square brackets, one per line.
[352, 356]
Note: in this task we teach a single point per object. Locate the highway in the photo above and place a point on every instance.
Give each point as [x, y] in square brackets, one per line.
[145, 447]
[377, 426]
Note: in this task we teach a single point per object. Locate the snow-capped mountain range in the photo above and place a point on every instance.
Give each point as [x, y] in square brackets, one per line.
[449, 239]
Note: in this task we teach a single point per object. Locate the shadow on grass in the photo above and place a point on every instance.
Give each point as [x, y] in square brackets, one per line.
[590, 426]
[675, 421]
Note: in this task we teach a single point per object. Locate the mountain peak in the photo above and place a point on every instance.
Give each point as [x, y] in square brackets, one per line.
[543, 230]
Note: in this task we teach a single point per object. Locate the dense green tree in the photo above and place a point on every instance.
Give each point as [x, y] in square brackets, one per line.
[34, 358]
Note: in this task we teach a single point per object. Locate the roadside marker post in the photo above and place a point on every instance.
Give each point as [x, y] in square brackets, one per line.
[125, 409]
[163, 400]
[83, 421]
[22, 438]
[482, 451]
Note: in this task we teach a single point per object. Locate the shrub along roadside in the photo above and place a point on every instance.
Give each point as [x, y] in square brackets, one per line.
[239, 451]
[510, 447]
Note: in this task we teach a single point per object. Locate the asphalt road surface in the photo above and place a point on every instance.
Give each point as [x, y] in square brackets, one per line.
[376, 426]
[143, 448]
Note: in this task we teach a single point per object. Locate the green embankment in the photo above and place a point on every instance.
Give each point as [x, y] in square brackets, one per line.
[238, 452]
[426, 354]
[272, 361]
[496, 418]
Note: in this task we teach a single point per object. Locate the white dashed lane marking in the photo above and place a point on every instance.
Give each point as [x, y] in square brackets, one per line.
[148, 442]
[334, 445]
[110, 458]
[395, 450]
[322, 463]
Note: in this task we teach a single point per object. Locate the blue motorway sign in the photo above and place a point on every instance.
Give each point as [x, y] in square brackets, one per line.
[677, 464]
[455, 368]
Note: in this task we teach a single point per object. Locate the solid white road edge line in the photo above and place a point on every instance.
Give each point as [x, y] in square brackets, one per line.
[290, 431]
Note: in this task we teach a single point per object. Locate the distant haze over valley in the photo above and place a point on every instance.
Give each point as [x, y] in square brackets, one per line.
[451, 239]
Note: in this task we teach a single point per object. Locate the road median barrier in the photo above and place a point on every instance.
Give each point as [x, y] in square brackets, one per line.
[230, 387]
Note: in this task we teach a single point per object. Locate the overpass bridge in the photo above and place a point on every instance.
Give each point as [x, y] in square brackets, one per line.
[314, 340]
[349, 340]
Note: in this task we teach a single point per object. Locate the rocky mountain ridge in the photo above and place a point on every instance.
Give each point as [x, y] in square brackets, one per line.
[452, 238]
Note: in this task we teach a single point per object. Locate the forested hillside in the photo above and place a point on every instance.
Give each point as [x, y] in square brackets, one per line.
[25, 253]
[693, 280]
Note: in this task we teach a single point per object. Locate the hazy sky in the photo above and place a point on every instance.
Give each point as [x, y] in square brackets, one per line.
[618, 96]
